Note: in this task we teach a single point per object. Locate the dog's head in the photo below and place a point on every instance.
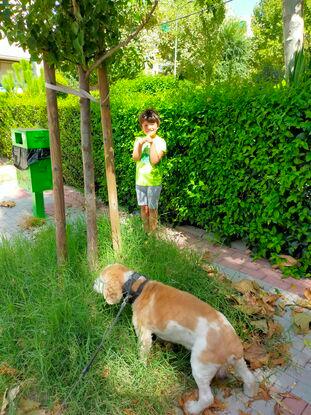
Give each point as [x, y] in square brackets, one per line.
[110, 282]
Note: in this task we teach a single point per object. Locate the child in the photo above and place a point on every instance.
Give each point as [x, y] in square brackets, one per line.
[148, 152]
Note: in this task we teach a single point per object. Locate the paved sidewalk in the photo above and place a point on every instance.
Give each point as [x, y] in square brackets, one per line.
[235, 262]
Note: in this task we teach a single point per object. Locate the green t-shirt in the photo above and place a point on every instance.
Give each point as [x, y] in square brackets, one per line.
[146, 173]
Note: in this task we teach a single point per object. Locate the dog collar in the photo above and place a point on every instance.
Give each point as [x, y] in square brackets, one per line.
[127, 287]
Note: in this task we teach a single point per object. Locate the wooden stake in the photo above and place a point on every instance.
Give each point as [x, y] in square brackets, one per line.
[88, 171]
[109, 157]
[56, 160]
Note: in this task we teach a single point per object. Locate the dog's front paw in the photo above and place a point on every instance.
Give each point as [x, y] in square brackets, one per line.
[193, 408]
[251, 389]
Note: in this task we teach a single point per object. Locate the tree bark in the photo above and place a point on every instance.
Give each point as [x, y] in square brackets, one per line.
[293, 27]
[56, 160]
[88, 171]
[109, 157]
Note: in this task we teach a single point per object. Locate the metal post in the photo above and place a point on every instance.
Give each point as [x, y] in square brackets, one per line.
[38, 204]
[176, 44]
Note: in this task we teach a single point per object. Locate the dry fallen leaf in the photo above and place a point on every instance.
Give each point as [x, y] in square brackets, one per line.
[105, 373]
[246, 286]
[274, 328]
[29, 222]
[128, 412]
[58, 409]
[301, 322]
[302, 303]
[307, 294]
[216, 406]
[256, 355]
[243, 413]
[289, 261]
[261, 325]
[7, 203]
[5, 369]
[207, 255]
[279, 355]
[27, 405]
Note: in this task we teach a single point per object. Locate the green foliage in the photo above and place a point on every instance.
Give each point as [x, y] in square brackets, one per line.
[267, 26]
[127, 63]
[238, 160]
[52, 321]
[236, 53]
[22, 77]
[198, 37]
[209, 48]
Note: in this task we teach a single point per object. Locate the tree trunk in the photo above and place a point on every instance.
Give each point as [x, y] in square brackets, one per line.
[88, 171]
[109, 157]
[56, 160]
[292, 32]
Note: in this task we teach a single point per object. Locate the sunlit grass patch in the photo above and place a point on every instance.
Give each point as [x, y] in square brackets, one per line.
[51, 321]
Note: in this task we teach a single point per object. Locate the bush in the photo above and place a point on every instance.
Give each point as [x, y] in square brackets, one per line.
[238, 157]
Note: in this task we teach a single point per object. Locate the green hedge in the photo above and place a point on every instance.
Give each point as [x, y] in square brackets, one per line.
[238, 159]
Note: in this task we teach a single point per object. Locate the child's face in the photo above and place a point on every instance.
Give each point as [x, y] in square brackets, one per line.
[149, 128]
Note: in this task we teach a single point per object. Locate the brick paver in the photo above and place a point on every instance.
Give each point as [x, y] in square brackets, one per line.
[241, 260]
[295, 405]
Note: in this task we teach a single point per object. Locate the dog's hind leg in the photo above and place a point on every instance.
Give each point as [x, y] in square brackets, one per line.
[203, 374]
[249, 380]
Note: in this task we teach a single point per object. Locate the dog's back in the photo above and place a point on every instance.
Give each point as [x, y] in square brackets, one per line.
[180, 317]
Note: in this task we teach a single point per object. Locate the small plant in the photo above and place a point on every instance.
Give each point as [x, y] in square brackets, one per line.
[29, 222]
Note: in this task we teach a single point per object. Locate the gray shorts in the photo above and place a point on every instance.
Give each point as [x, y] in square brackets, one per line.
[148, 195]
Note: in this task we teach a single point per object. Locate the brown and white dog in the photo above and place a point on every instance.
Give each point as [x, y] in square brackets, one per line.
[179, 317]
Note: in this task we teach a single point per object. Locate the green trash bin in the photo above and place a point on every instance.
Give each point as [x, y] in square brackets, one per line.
[31, 157]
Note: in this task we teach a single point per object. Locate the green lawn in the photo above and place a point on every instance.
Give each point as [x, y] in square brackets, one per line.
[51, 321]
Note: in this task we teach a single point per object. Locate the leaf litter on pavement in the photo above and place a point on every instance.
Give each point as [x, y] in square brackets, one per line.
[261, 307]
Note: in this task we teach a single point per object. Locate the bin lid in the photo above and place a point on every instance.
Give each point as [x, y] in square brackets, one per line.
[31, 137]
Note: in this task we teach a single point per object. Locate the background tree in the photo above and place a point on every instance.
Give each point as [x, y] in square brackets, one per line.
[210, 48]
[197, 37]
[267, 26]
[236, 52]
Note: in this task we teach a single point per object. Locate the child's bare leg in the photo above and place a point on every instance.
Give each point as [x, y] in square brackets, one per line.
[153, 219]
[144, 213]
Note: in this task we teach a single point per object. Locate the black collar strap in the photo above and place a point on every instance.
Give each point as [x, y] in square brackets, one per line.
[127, 287]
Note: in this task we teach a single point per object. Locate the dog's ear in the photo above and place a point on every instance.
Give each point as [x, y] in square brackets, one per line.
[112, 291]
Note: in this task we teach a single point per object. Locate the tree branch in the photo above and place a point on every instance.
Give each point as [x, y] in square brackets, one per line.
[125, 42]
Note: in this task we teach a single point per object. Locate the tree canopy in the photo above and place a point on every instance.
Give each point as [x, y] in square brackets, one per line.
[267, 26]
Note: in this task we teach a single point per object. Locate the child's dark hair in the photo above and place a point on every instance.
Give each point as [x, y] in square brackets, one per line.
[149, 115]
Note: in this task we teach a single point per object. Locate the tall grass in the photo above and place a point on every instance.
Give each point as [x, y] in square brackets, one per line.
[51, 321]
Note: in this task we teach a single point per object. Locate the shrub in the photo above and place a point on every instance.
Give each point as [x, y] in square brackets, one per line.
[238, 157]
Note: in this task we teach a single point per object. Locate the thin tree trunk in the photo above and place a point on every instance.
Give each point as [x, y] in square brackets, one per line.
[56, 160]
[109, 157]
[88, 171]
[293, 27]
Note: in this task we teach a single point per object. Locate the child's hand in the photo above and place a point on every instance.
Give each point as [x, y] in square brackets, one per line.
[142, 140]
[148, 139]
